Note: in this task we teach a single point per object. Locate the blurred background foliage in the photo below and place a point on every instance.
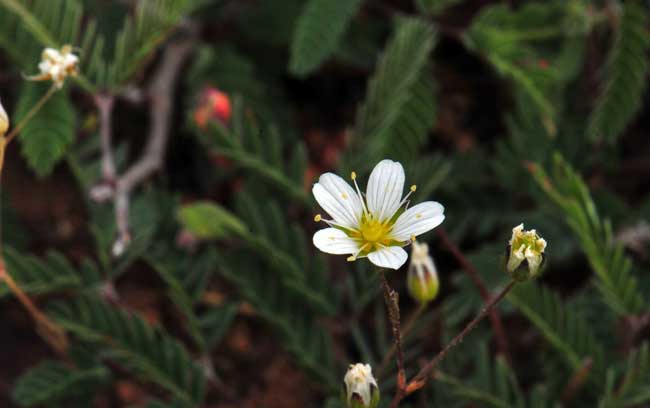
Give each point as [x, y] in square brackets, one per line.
[504, 111]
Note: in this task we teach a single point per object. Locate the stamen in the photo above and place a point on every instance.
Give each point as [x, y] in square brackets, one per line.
[354, 256]
[412, 190]
[412, 238]
[353, 176]
[331, 223]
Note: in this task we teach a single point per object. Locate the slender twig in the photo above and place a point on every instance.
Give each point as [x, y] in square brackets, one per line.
[577, 381]
[104, 103]
[160, 95]
[472, 273]
[49, 330]
[410, 323]
[392, 305]
[421, 377]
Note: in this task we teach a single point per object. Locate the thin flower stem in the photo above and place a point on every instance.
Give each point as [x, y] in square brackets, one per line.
[33, 111]
[421, 377]
[392, 305]
[405, 331]
[472, 273]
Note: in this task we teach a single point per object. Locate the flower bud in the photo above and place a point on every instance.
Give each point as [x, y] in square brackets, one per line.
[213, 105]
[361, 390]
[4, 121]
[525, 254]
[422, 280]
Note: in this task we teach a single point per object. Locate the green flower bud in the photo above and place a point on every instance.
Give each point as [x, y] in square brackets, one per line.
[361, 390]
[4, 121]
[422, 279]
[525, 254]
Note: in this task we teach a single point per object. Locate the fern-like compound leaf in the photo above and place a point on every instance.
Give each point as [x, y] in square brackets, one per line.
[626, 75]
[319, 31]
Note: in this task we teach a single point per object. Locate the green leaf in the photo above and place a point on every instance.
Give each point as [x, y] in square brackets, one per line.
[51, 274]
[393, 91]
[319, 31]
[617, 284]
[626, 75]
[147, 351]
[563, 326]
[46, 137]
[52, 381]
[210, 221]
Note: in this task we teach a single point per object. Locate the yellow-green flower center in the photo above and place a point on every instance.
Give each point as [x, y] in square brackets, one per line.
[373, 231]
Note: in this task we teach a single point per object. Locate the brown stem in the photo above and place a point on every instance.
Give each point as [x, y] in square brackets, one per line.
[421, 377]
[392, 305]
[49, 330]
[495, 319]
[577, 381]
[407, 329]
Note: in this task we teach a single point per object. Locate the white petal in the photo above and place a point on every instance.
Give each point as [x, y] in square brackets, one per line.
[335, 241]
[340, 201]
[385, 187]
[418, 220]
[388, 257]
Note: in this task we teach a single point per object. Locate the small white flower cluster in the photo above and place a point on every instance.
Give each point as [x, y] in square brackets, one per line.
[56, 65]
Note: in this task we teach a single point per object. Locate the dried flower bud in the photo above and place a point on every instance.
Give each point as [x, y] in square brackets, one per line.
[213, 105]
[525, 254]
[4, 121]
[422, 279]
[361, 390]
[56, 65]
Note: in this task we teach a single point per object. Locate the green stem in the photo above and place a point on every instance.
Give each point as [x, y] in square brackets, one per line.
[33, 111]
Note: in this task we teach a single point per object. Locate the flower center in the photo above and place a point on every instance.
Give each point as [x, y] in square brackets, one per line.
[374, 231]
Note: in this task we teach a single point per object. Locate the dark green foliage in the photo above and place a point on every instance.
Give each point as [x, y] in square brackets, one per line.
[54, 274]
[260, 150]
[147, 351]
[318, 32]
[396, 96]
[562, 327]
[52, 381]
[48, 134]
[626, 75]
[309, 344]
[487, 106]
[616, 283]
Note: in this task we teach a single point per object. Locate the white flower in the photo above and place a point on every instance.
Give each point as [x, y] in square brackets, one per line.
[376, 225]
[359, 383]
[525, 248]
[422, 279]
[56, 65]
[4, 121]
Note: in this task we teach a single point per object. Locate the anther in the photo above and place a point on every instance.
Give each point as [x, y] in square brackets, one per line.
[317, 218]
[353, 175]
[351, 258]
[413, 188]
